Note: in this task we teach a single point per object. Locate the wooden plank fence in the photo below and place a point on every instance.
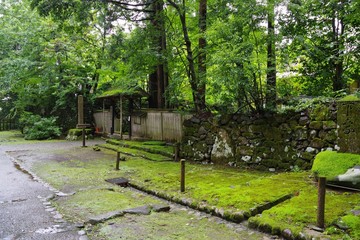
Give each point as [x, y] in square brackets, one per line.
[8, 124]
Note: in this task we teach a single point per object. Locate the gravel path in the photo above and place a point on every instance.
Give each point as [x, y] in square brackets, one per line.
[25, 212]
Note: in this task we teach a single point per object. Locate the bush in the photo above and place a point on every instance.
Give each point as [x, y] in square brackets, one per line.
[35, 127]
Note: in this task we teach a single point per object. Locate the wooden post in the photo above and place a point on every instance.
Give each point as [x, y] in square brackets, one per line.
[117, 160]
[103, 125]
[176, 151]
[182, 177]
[321, 202]
[121, 116]
[80, 109]
[83, 137]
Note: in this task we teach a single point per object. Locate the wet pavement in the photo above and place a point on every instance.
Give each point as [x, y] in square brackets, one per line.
[25, 212]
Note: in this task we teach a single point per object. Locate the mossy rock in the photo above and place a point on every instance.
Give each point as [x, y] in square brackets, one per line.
[330, 164]
[320, 113]
[78, 132]
[329, 125]
[350, 98]
[316, 125]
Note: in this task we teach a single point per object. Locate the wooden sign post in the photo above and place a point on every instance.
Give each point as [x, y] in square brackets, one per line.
[81, 123]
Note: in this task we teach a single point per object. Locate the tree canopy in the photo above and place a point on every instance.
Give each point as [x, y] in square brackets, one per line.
[205, 55]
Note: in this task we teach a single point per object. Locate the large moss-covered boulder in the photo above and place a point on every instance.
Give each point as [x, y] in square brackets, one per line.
[339, 168]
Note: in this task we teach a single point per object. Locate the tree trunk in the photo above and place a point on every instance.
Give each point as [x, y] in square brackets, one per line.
[271, 59]
[337, 61]
[198, 92]
[201, 88]
[158, 80]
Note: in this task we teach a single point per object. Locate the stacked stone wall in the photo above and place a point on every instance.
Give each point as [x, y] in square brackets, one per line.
[270, 142]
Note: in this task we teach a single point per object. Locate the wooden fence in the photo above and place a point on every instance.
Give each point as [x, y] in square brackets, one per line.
[6, 124]
[159, 125]
[148, 123]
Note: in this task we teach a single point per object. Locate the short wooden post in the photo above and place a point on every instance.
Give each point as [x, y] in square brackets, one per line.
[83, 137]
[117, 160]
[176, 152]
[321, 202]
[182, 176]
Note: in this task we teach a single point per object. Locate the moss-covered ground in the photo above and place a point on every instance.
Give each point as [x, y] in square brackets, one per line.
[231, 193]
[85, 175]
[136, 152]
[150, 146]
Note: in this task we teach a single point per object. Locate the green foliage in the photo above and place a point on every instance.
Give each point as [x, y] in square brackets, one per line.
[36, 127]
[329, 164]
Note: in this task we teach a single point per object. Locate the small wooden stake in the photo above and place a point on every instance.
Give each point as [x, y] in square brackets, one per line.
[176, 152]
[117, 160]
[83, 137]
[321, 202]
[182, 177]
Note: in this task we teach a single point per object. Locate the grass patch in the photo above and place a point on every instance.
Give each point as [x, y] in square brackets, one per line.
[330, 164]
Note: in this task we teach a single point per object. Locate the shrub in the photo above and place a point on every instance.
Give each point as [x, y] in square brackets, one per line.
[36, 127]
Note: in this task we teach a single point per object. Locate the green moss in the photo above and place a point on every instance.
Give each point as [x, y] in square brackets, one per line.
[208, 186]
[136, 152]
[353, 222]
[329, 164]
[350, 98]
[78, 132]
[301, 211]
[156, 147]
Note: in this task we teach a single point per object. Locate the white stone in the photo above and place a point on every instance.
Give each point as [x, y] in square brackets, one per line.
[286, 149]
[221, 148]
[246, 158]
[310, 149]
[337, 148]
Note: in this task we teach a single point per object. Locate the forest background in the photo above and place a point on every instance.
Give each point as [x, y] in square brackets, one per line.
[203, 56]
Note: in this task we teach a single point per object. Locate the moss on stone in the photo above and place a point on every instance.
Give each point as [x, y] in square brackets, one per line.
[329, 164]
[320, 113]
[349, 98]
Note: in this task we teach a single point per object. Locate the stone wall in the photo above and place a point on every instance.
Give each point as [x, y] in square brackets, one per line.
[270, 142]
[349, 126]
